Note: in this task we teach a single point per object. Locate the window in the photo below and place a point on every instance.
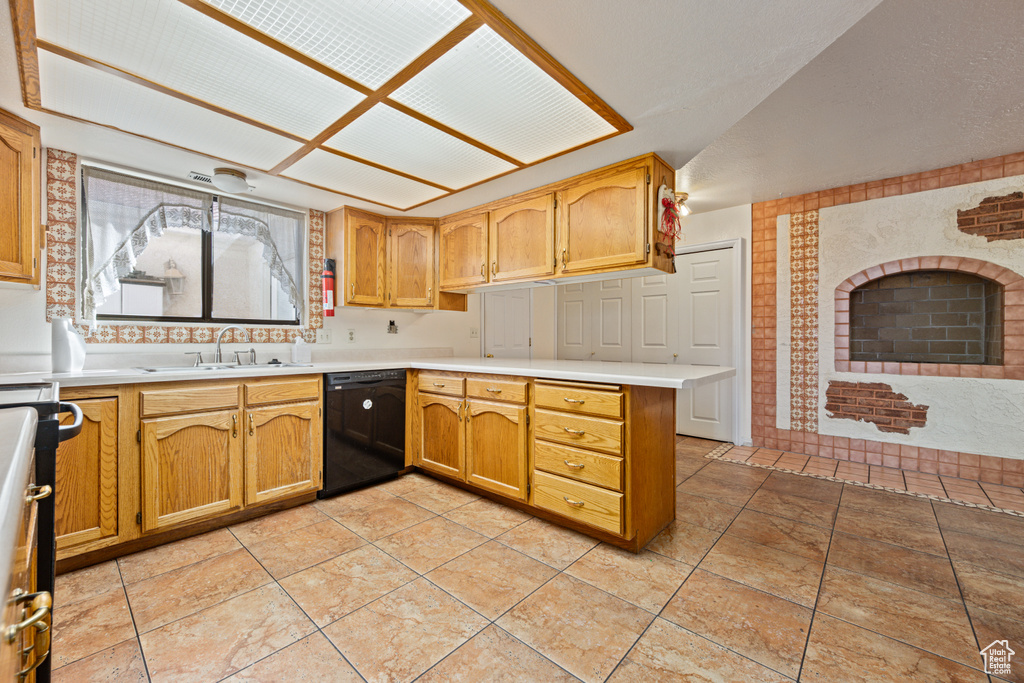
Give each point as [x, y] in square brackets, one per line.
[158, 252]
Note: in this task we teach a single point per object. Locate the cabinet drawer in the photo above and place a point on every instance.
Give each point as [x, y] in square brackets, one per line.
[582, 502]
[439, 384]
[190, 400]
[573, 400]
[575, 463]
[280, 392]
[496, 390]
[576, 430]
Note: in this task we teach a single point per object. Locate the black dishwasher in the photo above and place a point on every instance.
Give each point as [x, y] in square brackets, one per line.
[364, 428]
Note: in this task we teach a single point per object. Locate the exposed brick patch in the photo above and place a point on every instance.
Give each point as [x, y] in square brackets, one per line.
[995, 218]
[876, 403]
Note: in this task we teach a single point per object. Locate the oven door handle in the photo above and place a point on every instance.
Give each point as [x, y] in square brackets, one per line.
[72, 430]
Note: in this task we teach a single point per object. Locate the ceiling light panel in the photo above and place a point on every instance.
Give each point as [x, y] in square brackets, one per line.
[389, 137]
[171, 44]
[490, 91]
[353, 178]
[87, 93]
[367, 40]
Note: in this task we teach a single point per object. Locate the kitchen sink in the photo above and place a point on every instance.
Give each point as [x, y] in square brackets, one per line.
[185, 368]
[271, 366]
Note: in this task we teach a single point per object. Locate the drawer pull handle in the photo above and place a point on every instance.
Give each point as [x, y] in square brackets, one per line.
[35, 493]
[574, 503]
[439, 384]
[577, 401]
[577, 432]
[493, 390]
[234, 426]
[252, 429]
[575, 466]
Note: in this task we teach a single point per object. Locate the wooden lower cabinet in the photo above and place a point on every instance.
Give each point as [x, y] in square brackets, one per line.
[441, 441]
[282, 445]
[192, 468]
[496, 447]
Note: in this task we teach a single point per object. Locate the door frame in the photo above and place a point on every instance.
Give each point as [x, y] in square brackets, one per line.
[483, 322]
[739, 342]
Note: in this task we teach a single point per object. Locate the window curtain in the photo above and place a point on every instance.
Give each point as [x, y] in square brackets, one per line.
[282, 234]
[123, 214]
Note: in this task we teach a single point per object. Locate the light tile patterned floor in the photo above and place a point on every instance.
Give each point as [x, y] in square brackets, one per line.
[763, 576]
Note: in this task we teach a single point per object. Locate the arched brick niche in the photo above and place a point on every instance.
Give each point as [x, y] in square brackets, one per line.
[1011, 353]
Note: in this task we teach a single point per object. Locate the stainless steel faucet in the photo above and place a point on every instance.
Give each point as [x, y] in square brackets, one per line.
[220, 335]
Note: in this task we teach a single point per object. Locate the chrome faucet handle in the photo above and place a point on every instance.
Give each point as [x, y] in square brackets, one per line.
[238, 357]
[252, 355]
[198, 355]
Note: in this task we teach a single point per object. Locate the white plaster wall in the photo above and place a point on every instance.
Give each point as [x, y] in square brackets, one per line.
[969, 415]
[783, 325]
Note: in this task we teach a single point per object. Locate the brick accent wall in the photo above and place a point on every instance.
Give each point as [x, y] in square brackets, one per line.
[876, 403]
[995, 218]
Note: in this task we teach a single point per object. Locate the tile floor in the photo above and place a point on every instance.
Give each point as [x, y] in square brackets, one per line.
[764, 576]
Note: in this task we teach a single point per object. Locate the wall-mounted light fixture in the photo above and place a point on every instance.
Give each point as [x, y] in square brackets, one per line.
[174, 277]
[681, 198]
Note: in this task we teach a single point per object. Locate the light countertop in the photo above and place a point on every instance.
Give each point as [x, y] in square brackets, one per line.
[670, 376]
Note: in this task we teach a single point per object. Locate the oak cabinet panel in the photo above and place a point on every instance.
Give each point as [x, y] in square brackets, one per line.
[411, 263]
[192, 468]
[365, 238]
[603, 222]
[522, 239]
[585, 503]
[464, 252]
[19, 200]
[86, 477]
[442, 439]
[283, 445]
[496, 447]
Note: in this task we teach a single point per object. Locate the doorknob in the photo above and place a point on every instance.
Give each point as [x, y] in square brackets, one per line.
[490, 355]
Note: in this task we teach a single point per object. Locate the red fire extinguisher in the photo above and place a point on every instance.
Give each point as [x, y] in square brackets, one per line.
[327, 282]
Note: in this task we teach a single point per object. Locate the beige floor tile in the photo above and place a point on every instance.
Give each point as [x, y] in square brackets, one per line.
[89, 626]
[405, 483]
[645, 579]
[301, 548]
[494, 655]
[547, 542]
[311, 660]
[164, 558]
[797, 538]
[87, 583]
[704, 512]
[995, 592]
[792, 507]
[838, 650]
[731, 473]
[262, 528]
[934, 624]
[806, 487]
[419, 623]
[766, 628]
[172, 595]
[684, 542]
[339, 506]
[491, 578]
[581, 628]
[332, 589]
[430, 544]
[985, 523]
[669, 653]
[733, 493]
[891, 529]
[122, 663]
[901, 566]
[225, 638]
[687, 467]
[382, 519]
[439, 498]
[998, 556]
[487, 517]
[780, 573]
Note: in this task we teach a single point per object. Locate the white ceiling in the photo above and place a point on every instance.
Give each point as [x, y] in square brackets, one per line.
[762, 97]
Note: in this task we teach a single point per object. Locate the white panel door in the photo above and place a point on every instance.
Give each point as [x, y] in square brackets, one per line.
[705, 282]
[612, 301]
[655, 313]
[507, 324]
[574, 323]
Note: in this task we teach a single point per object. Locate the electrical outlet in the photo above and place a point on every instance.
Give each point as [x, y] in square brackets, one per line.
[323, 336]
[474, 333]
[351, 336]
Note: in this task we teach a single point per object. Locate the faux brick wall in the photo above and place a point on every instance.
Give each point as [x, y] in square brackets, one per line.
[876, 403]
[995, 218]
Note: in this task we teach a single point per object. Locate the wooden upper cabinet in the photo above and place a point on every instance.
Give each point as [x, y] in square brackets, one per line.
[464, 252]
[603, 222]
[365, 239]
[522, 239]
[19, 200]
[411, 263]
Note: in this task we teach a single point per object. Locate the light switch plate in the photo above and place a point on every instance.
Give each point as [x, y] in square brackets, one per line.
[474, 333]
[323, 336]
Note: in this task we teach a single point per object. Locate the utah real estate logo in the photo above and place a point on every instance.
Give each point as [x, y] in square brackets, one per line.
[997, 658]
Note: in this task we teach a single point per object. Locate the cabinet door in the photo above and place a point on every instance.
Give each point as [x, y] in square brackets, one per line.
[603, 224]
[283, 451]
[442, 446]
[19, 200]
[364, 258]
[522, 240]
[464, 252]
[191, 468]
[86, 477]
[411, 249]
[496, 447]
